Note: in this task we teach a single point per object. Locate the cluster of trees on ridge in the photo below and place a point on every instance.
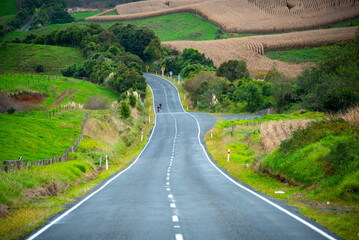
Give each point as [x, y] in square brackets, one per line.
[115, 56]
[331, 86]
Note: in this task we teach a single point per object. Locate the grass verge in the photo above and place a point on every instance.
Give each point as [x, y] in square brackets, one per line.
[340, 215]
[24, 214]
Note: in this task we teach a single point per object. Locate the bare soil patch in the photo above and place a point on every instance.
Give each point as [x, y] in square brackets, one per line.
[58, 100]
[28, 97]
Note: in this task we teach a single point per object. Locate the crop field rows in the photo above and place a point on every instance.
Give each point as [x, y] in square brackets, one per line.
[250, 49]
[245, 16]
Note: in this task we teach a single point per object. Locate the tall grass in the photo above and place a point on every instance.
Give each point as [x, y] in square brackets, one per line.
[317, 165]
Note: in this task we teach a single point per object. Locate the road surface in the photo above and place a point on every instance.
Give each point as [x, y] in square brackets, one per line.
[174, 191]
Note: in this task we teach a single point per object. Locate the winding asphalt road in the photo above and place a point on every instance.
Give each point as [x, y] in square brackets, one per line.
[174, 191]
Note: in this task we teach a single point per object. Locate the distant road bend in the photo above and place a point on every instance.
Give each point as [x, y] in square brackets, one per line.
[173, 191]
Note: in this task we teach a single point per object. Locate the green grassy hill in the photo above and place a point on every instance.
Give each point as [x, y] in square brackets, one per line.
[30, 134]
[23, 58]
[180, 26]
[7, 7]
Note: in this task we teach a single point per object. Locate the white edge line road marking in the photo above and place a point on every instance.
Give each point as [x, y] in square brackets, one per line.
[103, 186]
[324, 234]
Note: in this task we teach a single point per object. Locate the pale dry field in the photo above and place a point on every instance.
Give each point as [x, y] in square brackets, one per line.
[251, 49]
[245, 16]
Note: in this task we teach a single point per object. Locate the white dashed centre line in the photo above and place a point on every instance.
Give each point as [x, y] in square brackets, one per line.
[172, 205]
[170, 196]
[179, 237]
[174, 218]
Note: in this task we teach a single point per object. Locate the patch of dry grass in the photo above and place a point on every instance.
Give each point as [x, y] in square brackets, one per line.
[274, 132]
[351, 115]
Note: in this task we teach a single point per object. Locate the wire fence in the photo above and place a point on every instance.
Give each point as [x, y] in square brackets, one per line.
[13, 165]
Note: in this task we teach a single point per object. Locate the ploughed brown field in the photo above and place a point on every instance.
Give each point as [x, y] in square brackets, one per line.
[251, 49]
[245, 16]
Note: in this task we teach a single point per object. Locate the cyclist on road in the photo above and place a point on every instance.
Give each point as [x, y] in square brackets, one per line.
[158, 108]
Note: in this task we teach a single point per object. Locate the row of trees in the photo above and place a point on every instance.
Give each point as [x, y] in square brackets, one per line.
[331, 86]
[188, 64]
[114, 55]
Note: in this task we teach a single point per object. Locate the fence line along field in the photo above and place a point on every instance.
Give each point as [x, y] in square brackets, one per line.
[251, 49]
[245, 16]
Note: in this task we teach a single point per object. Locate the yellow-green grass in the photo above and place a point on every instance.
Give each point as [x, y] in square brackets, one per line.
[26, 217]
[23, 58]
[7, 7]
[26, 213]
[34, 138]
[246, 154]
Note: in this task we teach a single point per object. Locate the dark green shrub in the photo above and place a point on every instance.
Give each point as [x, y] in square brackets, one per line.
[125, 110]
[39, 68]
[11, 110]
[132, 100]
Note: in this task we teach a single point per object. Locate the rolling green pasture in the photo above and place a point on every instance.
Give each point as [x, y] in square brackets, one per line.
[83, 15]
[300, 55]
[7, 7]
[23, 58]
[30, 134]
[180, 26]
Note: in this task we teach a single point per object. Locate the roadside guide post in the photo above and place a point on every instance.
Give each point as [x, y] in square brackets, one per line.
[171, 73]
[229, 153]
[141, 136]
[163, 71]
[100, 159]
[211, 133]
[179, 79]
[147, 67]
[106, 162]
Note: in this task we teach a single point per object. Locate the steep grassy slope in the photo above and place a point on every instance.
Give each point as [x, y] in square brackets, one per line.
[35, 137]
[23, 58]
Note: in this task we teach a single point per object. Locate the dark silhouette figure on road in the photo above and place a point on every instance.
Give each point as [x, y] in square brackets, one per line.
[158, 108]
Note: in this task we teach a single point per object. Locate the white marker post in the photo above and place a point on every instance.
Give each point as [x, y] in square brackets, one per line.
[100, 159]
[141, 136]
[179, 78]
[211, 133]
[229, 153]
[106, 162]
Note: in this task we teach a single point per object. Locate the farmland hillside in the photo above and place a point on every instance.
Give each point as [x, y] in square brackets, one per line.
[251, 49]
[245, 16]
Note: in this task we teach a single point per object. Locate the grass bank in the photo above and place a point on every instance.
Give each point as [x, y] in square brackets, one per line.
[319, 200]
[34, 136]
[24, 58]
[24, 208]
